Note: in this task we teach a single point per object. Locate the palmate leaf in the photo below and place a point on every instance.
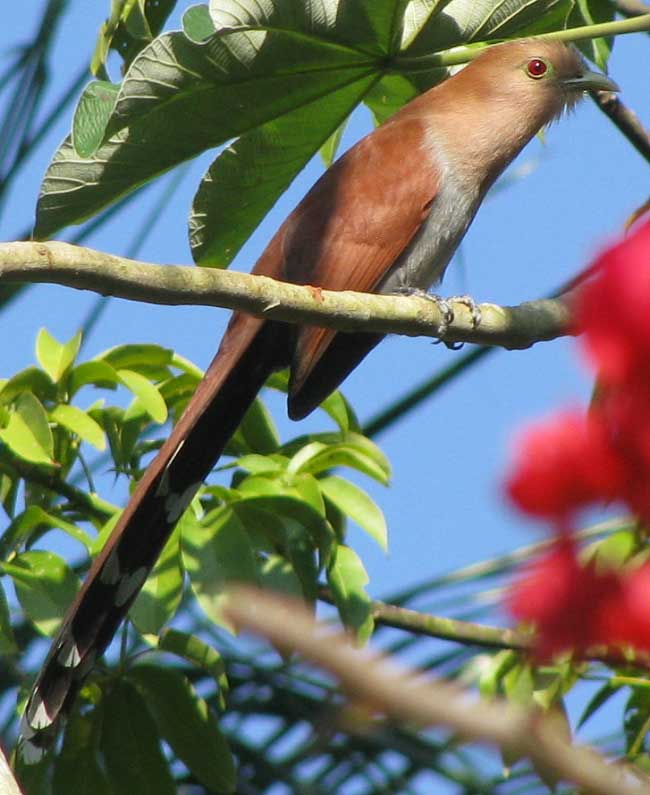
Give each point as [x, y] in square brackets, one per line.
[257, 169]
[464, 21]
[268, 67]
[216, 88]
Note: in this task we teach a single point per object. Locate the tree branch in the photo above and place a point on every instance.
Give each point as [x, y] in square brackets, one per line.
[86, 269]
[439, 627]
[625, 119]
[632, 8]
[401, 695]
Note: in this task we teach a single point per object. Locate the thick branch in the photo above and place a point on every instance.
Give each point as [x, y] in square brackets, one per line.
[401, 695]
[86, 269]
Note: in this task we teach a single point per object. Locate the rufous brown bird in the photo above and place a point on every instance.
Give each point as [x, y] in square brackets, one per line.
[386, 217]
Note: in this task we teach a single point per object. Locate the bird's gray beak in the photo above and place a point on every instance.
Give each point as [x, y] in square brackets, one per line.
[590, 81]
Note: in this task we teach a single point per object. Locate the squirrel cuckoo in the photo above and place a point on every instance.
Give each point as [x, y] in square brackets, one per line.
[386, 217]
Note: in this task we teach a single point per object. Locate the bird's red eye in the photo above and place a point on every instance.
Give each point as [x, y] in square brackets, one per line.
[537, 68]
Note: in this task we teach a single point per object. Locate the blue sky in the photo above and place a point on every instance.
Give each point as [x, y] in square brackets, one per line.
[444, 506]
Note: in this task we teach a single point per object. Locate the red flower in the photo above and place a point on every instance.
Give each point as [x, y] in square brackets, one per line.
[626, 412]
[563, 464]
[564, 601]
[626, 620]
[613, 310]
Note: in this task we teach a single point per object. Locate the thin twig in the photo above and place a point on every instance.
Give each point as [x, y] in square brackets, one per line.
[632, 8]
[418, 623]
[50, 479]
[625, 119]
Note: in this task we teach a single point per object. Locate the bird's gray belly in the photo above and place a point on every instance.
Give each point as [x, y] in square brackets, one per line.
[422, 264]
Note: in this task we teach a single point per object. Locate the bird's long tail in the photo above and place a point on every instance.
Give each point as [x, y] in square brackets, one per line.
[251, 350]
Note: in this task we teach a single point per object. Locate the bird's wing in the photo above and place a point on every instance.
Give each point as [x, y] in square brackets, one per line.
[352, 227]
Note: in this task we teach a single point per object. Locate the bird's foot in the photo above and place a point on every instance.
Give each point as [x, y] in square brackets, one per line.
[444, 307]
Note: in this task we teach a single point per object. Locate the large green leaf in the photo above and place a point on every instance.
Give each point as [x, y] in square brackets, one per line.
[219, 89]
[185, 722]
[364, 23]
[257, 169]
[461, 21]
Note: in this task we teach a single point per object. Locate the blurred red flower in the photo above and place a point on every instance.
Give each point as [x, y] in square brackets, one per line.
[563, 464]
[613, 310]
[576, 607]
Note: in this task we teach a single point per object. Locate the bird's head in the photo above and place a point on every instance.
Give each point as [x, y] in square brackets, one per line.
[500, 100]
[542, 75]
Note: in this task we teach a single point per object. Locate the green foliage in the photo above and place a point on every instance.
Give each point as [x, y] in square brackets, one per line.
[279, 77]
[276, 79]
[272, 525]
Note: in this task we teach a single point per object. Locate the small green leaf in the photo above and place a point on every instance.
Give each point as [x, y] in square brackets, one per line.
[355, 503]
[134, 759]
[519, 684]
[216, 555]
[28, 432]
[313, 460]
[390, 94]
[613, 551]
[266, 522]
[144, 359]
[338, 408]
[91, 116]
[262, 464]
[187, 724]
[602, 695]
[636, 722]
[256, 433]
[197, 23]
[491, 679]
[33, 380]
[77, 421]
[347, 577]
[330, 148]
[195, 651]
[45, 587]
[146, 392]
[7, 639]
[96, 373]
[54, 357]
[161, 594]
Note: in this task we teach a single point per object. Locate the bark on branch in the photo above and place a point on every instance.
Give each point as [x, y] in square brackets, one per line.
[377, 683]
[87, 269]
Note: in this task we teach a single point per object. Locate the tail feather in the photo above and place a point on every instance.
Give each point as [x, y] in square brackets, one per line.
[251, 350]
